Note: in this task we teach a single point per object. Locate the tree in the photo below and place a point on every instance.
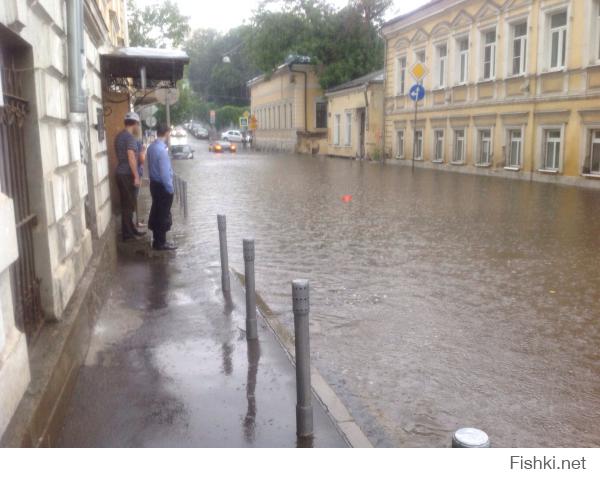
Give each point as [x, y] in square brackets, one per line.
[344, 44]
[210, 76]
[160, 25]
[372, 11]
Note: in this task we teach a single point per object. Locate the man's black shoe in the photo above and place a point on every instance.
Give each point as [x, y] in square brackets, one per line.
[168, 246]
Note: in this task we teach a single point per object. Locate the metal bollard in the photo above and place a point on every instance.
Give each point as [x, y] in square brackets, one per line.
[470, 438]
[185, 198]
[225, 283]
[251, 325]
[180, 189]
[301, 307]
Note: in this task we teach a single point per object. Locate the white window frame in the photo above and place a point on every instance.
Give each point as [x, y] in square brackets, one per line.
[348, 130]
[591, 142]
[479, 146]
[524, 45]
[596, 29]
[441, 65]
[509, 141]
[401, 69]
[563, 42]
[460, 56]
[493, 55]
[400, 144]
[418, 139]
[545, 130]
[438, 155]
[336, 129]
[461, 160]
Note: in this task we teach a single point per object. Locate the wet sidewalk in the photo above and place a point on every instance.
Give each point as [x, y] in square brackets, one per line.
[169, 366]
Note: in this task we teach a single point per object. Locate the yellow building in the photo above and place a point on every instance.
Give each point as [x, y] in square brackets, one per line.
[356, 118]
[513, 88]
[290, 109]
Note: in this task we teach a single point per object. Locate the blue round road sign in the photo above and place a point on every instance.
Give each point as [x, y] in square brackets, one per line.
[417, 93]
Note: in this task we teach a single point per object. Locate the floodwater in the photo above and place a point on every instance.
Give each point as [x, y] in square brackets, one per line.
[438, 300]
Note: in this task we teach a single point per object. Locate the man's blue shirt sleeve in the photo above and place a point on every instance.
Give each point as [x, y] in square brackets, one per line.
[166, 174]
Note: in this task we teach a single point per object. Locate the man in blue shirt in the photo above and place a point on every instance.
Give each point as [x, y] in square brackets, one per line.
[161, 189]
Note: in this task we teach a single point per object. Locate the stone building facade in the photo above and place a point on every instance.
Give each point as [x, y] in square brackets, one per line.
[356, 117]
[287, 106]
[513, 88]
[54, 188]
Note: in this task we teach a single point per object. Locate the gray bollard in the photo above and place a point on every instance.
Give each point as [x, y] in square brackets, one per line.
[225, 283]
[185, 198]
[301, 307]
[251, 325]
[470, 438]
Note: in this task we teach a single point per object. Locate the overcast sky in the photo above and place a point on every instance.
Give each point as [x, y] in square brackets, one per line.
[225, 14]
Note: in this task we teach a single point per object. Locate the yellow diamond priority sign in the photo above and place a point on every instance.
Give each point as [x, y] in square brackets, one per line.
[418, 71]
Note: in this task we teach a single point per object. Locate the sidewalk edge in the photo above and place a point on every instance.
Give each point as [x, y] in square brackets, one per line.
[332, 403]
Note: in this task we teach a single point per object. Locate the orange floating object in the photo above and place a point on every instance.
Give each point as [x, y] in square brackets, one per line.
[347, 197]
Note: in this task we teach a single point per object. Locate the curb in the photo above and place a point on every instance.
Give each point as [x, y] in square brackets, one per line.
[332, 403]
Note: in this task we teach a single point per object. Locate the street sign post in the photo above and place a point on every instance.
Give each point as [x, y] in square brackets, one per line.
[418, 71]
[416, 93]
[167, 97]
[243, 123]
[213, 117]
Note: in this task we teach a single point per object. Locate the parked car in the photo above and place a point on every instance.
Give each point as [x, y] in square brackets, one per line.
[222, 146]
[182, 151]
[179, 132]
[233, 136]
[200, 133]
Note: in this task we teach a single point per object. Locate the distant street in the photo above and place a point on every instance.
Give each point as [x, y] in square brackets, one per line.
[439, 300]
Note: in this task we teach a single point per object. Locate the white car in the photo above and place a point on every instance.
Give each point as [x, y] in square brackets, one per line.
[233, 136]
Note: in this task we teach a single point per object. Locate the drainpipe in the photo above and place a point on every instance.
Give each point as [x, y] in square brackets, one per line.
[383, 127]
[291, 65]
[76, 54]
[79, 139]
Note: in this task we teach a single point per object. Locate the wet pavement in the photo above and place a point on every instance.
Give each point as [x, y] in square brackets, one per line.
[439, 300]
[169, 364]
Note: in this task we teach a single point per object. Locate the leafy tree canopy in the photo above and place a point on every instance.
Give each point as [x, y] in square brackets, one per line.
[220, 65]
[160, 25]
[344, 43]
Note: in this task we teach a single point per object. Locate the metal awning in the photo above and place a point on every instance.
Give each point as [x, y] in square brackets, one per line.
[162, 65]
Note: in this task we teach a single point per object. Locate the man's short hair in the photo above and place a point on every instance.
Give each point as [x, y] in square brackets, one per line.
[162, 129]
[130, 122]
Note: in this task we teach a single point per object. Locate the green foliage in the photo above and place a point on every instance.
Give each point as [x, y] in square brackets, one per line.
[160, 25]
[212, 78]
[344, 43]
[229, 116]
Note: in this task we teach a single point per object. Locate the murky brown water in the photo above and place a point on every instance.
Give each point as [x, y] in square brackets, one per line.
[439, 300]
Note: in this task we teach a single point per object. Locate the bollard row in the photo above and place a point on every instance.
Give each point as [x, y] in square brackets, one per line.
[301, 308]
[463, 438]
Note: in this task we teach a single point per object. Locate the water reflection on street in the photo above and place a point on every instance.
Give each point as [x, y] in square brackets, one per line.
[439, 300]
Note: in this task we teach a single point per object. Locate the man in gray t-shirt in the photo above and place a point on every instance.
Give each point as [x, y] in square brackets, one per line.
[128, 178]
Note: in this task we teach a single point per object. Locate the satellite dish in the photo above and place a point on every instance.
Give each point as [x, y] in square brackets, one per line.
[151, 122]
[167, 95]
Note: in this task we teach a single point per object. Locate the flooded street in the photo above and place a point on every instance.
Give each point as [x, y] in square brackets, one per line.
[438, 300]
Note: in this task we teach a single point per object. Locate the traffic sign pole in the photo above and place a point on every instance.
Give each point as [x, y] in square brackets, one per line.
[415, 133]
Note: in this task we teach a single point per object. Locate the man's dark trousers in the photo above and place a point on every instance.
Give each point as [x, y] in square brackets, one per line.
[160, 220]
[127, 193]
